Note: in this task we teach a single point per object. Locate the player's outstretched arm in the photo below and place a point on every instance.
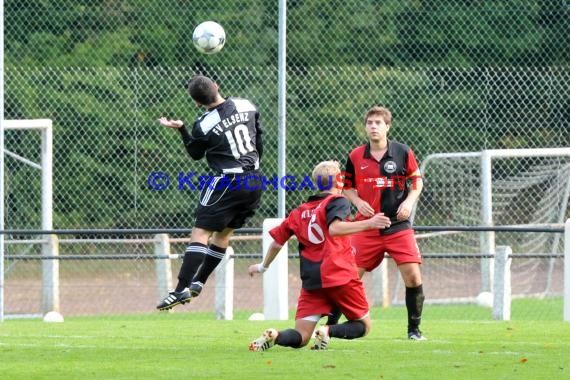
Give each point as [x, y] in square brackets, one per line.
[339, 227]
[170, 123]
[272, 252]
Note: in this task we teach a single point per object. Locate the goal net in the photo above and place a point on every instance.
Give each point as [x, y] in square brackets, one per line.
[527, 187]
[27, 204]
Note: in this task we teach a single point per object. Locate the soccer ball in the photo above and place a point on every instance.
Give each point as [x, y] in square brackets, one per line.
[209, 37]
[485, 299]
[53, 316]
[257, 317]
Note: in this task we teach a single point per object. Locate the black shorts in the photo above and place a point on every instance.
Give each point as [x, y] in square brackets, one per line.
[227, 201]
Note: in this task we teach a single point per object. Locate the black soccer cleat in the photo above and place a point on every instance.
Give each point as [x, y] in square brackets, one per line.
[196, 288]
[175, 298]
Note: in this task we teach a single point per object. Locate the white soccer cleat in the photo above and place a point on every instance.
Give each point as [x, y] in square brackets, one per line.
[265, 341]
[416, 335]
[322, 338]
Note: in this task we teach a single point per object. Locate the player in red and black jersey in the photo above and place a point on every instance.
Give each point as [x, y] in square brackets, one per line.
[228, 134]
[328, 270]
[384, 177]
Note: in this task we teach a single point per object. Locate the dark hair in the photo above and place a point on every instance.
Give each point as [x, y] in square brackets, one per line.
[203, 90]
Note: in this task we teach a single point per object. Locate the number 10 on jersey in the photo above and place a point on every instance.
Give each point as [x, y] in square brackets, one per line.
[239, 140]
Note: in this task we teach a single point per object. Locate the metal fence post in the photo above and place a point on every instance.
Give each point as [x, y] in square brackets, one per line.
[275, 281]
[163, 265]
[502, 284]
[224, 297]
[381, 291]
[50, 274]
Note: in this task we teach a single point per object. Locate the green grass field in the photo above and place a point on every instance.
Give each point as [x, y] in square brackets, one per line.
[196, 346]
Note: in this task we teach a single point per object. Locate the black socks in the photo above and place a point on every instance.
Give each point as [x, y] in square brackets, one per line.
[414, 303]
[348, 330]
[334, 316]
[193, 258]
[214, 255]
[289, 338]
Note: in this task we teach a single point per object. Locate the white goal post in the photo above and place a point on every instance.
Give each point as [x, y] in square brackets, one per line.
[567, 271]
[50, 268]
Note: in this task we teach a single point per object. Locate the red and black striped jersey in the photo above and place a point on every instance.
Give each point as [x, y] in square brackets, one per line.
[326, 261]
[383, 184]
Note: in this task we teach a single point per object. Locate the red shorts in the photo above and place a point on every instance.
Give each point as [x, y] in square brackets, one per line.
[350, 298]
[370, 248]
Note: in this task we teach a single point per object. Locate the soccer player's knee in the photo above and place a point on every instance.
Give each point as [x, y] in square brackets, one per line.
[305, 340]
[412, 281]
[367, 326]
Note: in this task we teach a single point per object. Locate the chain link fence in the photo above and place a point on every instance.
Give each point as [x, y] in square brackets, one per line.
[458, 77]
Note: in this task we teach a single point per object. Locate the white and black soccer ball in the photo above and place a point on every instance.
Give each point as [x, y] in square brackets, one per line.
[209, 37]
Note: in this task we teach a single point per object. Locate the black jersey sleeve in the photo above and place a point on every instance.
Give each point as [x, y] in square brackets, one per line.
[258, 138]
[349, 174]
[349, 168]
[195, 148]
[338, 208]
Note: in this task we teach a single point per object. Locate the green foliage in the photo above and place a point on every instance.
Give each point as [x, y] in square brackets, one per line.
[392, 33]
[106, 70]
